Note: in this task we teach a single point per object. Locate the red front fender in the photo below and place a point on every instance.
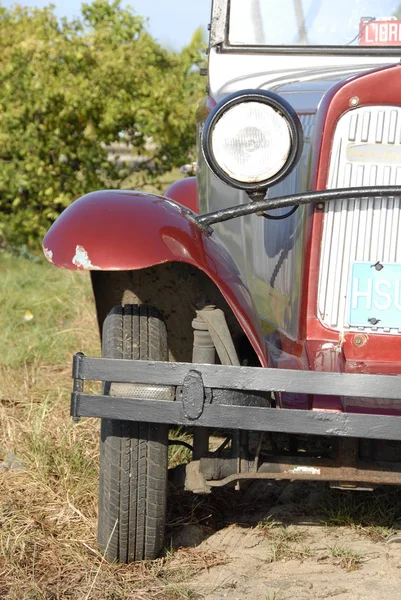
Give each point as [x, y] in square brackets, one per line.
[122, 230]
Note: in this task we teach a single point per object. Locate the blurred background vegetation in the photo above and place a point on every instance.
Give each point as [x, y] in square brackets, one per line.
[71, 93]
[71, 88]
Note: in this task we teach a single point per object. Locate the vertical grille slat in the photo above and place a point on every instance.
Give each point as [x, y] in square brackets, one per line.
[393, 127]
[365, 148]
[365, 127]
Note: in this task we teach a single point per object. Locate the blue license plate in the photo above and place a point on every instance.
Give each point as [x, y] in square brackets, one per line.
[375, 295]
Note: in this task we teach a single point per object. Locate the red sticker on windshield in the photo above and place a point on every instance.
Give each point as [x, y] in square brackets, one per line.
[380, 33]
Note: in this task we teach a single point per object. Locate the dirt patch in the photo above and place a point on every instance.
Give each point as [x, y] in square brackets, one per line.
[305, 570]
[284, 550]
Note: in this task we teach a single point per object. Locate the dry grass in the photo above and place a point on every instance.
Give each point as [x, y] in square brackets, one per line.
[179, 453]
[284, 541]
[346, 558]
[48, 466]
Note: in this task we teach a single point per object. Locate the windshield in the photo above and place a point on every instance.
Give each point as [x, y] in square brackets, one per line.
[315, 22]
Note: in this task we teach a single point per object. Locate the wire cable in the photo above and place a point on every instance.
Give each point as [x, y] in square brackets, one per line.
[278, 217]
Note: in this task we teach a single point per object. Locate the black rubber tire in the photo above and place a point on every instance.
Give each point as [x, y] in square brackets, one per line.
[133, 456]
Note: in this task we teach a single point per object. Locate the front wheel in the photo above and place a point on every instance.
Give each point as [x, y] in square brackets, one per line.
[133, 456]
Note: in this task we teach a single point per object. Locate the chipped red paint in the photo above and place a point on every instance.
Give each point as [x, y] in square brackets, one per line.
[118, 230]
[185, 192]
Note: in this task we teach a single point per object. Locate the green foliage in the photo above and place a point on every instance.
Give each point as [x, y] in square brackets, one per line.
[39, 322]
[70, 88]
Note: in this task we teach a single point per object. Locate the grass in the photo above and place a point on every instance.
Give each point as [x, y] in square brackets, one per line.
[373, 513]
[178, 453]
[45, 312]
[347, 559]
[48, 501]
[284, 541]
[48, 496]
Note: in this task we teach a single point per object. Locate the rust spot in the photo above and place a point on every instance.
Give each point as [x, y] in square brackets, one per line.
[360, 340]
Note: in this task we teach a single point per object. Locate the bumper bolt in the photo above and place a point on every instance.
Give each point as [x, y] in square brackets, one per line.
[360, 340]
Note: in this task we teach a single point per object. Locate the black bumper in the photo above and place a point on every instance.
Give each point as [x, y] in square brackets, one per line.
[194, 403]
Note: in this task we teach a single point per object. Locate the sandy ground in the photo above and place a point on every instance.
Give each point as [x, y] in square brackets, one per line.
[250, 572]
[287, 553]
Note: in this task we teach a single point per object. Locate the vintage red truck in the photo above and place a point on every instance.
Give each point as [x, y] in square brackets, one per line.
[260, 299]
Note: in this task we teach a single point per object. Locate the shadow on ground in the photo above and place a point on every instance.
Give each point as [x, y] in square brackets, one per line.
[193, 518]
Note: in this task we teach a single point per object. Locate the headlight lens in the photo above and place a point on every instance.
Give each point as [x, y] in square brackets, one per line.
[251, 142]
[252, 139]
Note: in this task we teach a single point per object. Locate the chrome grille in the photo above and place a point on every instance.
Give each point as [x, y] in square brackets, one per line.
[366, 151]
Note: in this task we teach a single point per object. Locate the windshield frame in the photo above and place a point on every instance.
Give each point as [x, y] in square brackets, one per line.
[219, 33]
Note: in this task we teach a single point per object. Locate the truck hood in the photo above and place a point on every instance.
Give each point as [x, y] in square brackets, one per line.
[302, 88]
[302, 78]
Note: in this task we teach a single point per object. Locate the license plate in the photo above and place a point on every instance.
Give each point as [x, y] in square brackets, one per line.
[375, 295]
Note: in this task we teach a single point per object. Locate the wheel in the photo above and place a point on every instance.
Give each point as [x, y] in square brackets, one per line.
[133, 456]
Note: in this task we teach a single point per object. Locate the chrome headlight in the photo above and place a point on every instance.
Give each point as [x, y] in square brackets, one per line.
[252, 139]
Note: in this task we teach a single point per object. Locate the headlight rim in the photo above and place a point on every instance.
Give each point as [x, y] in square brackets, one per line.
[277, 103]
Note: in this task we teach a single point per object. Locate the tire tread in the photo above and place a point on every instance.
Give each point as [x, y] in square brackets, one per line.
[133, 456]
